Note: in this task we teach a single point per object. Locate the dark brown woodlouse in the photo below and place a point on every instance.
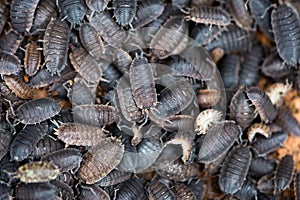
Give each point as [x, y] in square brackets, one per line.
[32, 58]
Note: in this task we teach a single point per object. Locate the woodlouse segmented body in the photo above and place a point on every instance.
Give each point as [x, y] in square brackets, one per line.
[124, 11]
[113, 178]
[179, 123]
[206, 119]
[46, 146]
[95, 166]
[142, 83]
[21, 14]
[86, 65]
[11, 41]
[181, 67]
[262, 104]
[208, 97]
[263, 146]
[56, 44]
[73, 10]
[274, 67]
[131, 189]
[37, 191]
[6, 132]
[287, 121]
[218, 141]
[183, 192]
[109, 29]
[284, 172]
[234, 170]
[36, 172]
[10, 64]
[97, 5]
[64, 159]
[92, 192]
[261, 166]
[241, 13]
[80, 134]
[209, 15]
[162, 45]
[99, 115]
[204, 34]
[285, 23]
[91, 40]
[37, 110]
[147, 11]
[297, 186]
[158, 190]
[43, 14]
[63, 189]
[258, 128]
[229, 68]
[248, 190]
[32, 58]
[25, 141]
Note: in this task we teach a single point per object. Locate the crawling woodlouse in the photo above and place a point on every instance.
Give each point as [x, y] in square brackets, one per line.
[97, 5]
[114, 177]
[284, 172]
[37, 191]
[11, 41]
[234, 169]
[287, 121]
[10, 64]
[275, 68]
[56, 44]
[99, 115]
[24, 141]
[258, 128]
[124, 11]
[95, 166]
[35, 172]
[80, 134]
[262, 103]
[142, 83]
[287, 37]
[159, 190]
[209, 15]
[161, 44]
[65, 159]
[91, 40]
[181, 67]
[21, 14]
[46, 146]
[241, 14]
[32, 58]
[37, 110]
[92, 192]
[131, 189]
[206, 119]
[73, 10]
[218, 141]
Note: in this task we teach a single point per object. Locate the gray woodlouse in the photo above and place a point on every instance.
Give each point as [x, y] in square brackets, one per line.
[91, 40]
[274, 67]
[73, 10]
[206, 119]
[258, 128]
[229, 68]
[8, 169]
[285, 23]
[10, 64]
[24, 141]
[234, 170]
[97, 5]
[218, 141]
[46, 146]
[261, 166]
[142, 83]
[65, 159]
[43, 14]
[32, 58]
[162, 45]
[37, 110]
[159, 190]
[56, 44]
[297, 186]
[5, 191]
[284, 172]
[181, 67]
[36, 172]
[86, 65]
[80, 134]
[241, 14]
[203, 34]
[131, 189]
[262, 104]
[124, 11]
[248, 190]
[11, 41]
[209, 15]
[179, 123]
[63, 190]
[88, 192]
[109, 29]
[37, 191]
[147, 11]
[4, 15]
[95, 166]
[99, 115]
[21, 14]
[263, 146]
[6, 132]
[113, 178]
[287, 121]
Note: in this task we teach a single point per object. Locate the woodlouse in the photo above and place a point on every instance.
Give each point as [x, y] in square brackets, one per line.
[97, 5]
[92, 192]
[234, 170]
[32, 58]
[56, 44]
[286, 37]
[183, 192]
[218, 141]
[46, 146]
[95, 166]
[208, 97]
[248, 190]
[131, 189]
[179, 123]
[37, 191]
[6, 135]
[159, 190]
[114, 177]
[11, 41]
[73, 10]
[37, 110]
[181, 67]
[24, 141]
[287, 121]
[203, 34]
[261, 166]
[63, 189]
[277, 91]
[10, 64]
[206, 119]
[241, 14]
[284, 172]
[36, 172]
[229, 69]
[124, 11]
[21, 14]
